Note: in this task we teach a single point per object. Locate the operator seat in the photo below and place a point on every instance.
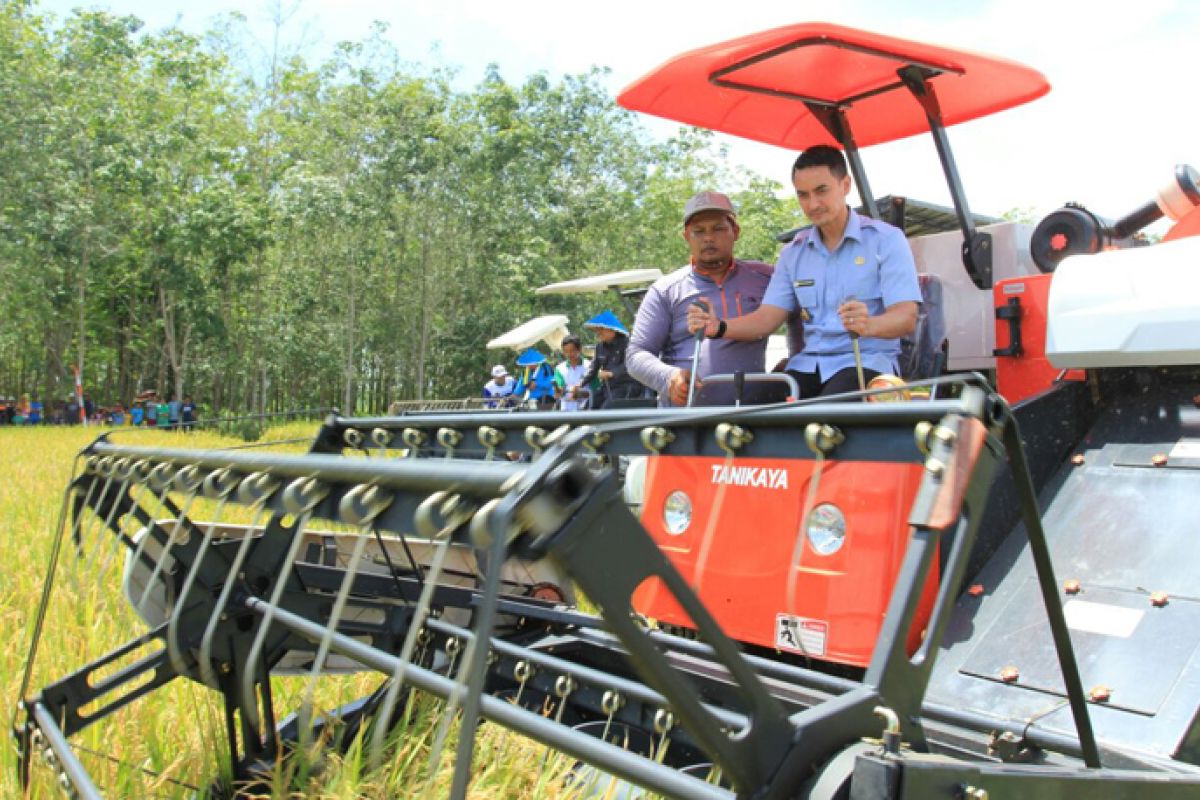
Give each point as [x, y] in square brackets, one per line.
[923, 352]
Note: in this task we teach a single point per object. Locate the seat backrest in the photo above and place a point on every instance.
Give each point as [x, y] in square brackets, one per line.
[922, 352]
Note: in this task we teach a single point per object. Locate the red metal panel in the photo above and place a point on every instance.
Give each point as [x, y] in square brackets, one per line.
[1018, 377]
[739, 549]
[1188, 226]
[722, 87]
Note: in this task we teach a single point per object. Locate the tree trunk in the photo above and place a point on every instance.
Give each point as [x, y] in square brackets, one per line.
[84, 262]
[348, 404]
[426, 324]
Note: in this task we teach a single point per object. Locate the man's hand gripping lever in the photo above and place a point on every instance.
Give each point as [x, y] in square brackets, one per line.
[699, 333]
[854, 335]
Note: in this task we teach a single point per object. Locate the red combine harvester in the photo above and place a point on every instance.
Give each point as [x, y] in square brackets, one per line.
[961, 592]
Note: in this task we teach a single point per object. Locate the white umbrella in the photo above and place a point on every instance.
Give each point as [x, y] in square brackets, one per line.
[600, 283]
[550, 328]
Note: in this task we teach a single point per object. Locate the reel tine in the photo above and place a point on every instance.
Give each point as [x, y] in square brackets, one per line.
[189, 481]
[822, 440]
[446, 506]
[249, 708]
[115, 470]
[305, 711]
[471, 673]
[39, 620]
[152, 476]
[215, 485]
[710, 529]
[102, 467]
[300, 497]
[120, 537]
[361, 505]
[254, 490]
[239, 559]
[84, 505]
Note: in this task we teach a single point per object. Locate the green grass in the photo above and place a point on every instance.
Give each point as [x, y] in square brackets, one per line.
[176, 733]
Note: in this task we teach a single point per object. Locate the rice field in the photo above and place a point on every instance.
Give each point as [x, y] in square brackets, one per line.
[171, 743]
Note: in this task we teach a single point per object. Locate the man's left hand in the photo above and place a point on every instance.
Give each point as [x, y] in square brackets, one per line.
[855, 318]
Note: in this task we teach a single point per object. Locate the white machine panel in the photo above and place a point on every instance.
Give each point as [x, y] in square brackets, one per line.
[1137, 307]
[970, 319]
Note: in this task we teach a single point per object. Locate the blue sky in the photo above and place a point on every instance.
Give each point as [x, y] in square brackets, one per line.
[1120, 115]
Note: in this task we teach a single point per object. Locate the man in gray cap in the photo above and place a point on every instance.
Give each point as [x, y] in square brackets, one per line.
[660, 347]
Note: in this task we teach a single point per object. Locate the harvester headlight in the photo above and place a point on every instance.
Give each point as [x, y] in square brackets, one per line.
[826, 529]
[677, 512]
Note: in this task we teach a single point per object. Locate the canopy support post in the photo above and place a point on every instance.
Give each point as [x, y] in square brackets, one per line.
[836, 122]
[976, 245]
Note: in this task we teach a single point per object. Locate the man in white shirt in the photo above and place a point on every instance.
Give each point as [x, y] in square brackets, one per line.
[498, 391]
[569, 386]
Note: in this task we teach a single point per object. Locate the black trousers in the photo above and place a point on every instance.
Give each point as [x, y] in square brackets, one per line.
[845, 380]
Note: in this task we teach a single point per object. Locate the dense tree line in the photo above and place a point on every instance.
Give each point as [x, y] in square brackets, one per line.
[344, 234]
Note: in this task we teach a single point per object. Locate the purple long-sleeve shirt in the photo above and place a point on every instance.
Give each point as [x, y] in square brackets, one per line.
[660, 342]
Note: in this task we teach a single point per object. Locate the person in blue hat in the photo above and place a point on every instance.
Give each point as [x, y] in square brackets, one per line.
[536, 381]
[608, 364]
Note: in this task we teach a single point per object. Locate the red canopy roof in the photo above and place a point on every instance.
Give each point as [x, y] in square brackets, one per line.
[753, 86]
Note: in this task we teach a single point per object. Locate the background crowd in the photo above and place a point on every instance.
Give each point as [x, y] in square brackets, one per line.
[147, 410]
[576, 382]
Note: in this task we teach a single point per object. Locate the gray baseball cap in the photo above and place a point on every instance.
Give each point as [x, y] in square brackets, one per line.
[707, 201]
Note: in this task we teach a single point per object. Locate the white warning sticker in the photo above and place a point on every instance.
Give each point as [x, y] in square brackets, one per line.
[1186, 448]
[1102, 618]
[801, 634]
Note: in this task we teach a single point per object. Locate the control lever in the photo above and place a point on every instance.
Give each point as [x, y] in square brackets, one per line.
[862, 383]
[695, 357]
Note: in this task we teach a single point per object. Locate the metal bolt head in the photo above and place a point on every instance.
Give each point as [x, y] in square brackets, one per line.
[1159, 599]
[976, 590]
[1010, 674]
[1077, 459]
[1100, 694]
[1072, 586]
[1159, 459]
[944, 435]
[921, 435]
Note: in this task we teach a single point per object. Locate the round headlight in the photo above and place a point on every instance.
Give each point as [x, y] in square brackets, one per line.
[826, 529]
[677, 512]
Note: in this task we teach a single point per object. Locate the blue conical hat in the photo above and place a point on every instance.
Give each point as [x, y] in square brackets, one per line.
[606, 319]
[530, 358]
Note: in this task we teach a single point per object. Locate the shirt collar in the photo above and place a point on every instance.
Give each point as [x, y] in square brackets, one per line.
[702, 277]
[853, 231]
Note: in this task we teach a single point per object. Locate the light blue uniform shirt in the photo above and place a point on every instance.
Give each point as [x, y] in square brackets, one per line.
[873, 264]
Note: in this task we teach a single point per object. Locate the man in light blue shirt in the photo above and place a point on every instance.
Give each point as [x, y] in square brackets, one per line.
[847, 274]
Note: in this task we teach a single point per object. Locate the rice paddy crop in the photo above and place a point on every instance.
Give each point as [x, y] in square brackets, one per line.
[171, 742]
